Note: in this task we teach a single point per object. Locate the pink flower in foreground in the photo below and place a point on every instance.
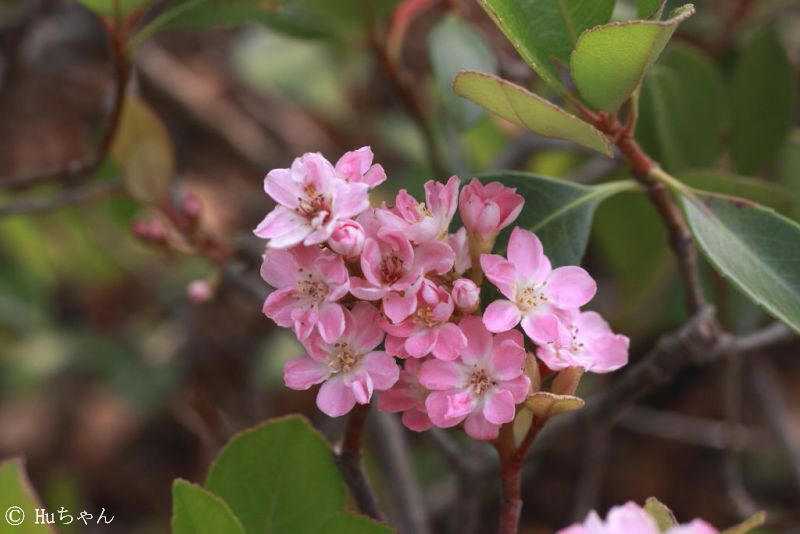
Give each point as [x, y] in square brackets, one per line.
[311, 201]
[536, 292]
[356, 166]
[408, 396]
[487, 209]
[631, 518]
[308, 281]
[347, 239]
[585, 340]
[466, 295]
[392, 269]
[349, 368]
[428, 331]
[481, 388]
[426, 221]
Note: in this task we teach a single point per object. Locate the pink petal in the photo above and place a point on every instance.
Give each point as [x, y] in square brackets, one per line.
[399, 305]
[371, 258]
[361, 384]
[570, 287]
[479, 340]
[283, 227]
[375, 176]
[508, 360]
[434, 256]
[330, 321]
[526, 253]
[501, 315]
[541, 327]
[421, 343]
[335, 398]
[450, 341]
[302, 373]
[499, 407]
[283, 189]
[351, 199]
[417, 420]
[382, 369]
[367, 333]
[440, 375]
[500, 272]
[448, 408]
[397, 399]
[279, 268]
[609, 352]
[477, 427]
[280, 305]
[362, 289]
[519, 387]
[352, 165]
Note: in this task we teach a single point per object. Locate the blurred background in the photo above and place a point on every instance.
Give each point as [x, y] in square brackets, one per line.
[132, 345]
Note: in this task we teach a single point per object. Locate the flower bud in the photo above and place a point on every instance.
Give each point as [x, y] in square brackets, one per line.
[466, 295]
[347, 239]
[151, 230]
[191, 206]
[199, 291]
[487, 209]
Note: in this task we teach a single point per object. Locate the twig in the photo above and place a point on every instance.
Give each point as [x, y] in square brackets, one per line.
[68, 197]
[392, 446]
[511, 462]
[87, 168]
[349, 461]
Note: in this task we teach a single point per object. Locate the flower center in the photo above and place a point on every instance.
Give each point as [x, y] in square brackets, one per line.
[314, 204]
[423, 210]
[530, 297]
[424, 316]
[391, 269]
[312, 288]
[343, 358]
[576, 344]
[480, 381]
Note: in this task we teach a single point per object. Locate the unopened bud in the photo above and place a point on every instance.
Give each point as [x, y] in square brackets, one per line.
[199, 291]
[466, 295]
[347, 239]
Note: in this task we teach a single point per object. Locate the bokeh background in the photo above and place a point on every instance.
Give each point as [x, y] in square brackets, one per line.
[115, 379]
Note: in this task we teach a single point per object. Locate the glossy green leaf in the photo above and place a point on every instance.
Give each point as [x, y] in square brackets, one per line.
[454, 46]
[197, 511]
[520, 106]
[763, 99]
[143, 151]
[16, 492]
[683, 110]
[344, 523]
[279, 477]
[789, 173]
[649, 9]
[766, 193]
[109, 7]
[610, 61]
[753, 246]
[662, 515]
[560, 213]
[545, 31]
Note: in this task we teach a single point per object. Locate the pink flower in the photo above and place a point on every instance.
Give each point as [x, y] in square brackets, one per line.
[466, 295]
[460, 245]
[426, 221]
[428, 331]
[347, 239]
[585, 340]
[408, 396]
[199, 291]
[308, 281]
[487, 209]
[356, 167]
[631, 518]
[536, 291]
[311, 202]
[349, 368]
[483, 387]
[392, 269]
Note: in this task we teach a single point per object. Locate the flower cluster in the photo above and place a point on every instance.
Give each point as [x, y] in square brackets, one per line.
[632, 518]
[368, 288]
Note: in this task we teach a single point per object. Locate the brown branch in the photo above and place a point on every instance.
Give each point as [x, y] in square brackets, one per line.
[511, 461]
[68, 197]
[89, 167]
[349, 461]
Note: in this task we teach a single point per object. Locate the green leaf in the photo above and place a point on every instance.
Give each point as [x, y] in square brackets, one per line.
[454, 46]
[659, 511]
[610, 61]
[520, 106]
[650, 9]
[108, 7]
[764, 95]
[144, 152]
[279, 477]
[683, 110]
[753, 522]
[560, 213]
[767, 193]
[345, 523]
[196, 511]
[546, 30]
[16, 491]
[756, 248]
